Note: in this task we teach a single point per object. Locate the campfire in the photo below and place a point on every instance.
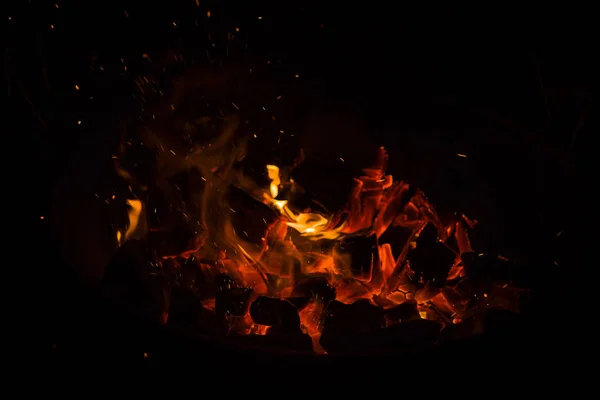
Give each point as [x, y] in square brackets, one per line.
[215, 244]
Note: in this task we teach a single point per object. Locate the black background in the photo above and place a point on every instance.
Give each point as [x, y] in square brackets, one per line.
[507, 86]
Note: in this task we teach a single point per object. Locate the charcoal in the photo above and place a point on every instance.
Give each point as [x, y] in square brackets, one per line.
[344, 323]
[317, 288]
[186, 311]
[231, 299]
[430, 259]
[412, 335]
[277, 313]
[403, 312]
[362, 254]
[130, 280]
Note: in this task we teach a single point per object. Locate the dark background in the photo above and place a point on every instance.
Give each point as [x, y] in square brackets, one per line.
[509, 87]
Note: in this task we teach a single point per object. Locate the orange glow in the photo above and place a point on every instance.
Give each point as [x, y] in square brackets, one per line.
[270, 251]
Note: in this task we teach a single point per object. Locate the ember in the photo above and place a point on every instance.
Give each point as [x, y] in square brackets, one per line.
[234, 255]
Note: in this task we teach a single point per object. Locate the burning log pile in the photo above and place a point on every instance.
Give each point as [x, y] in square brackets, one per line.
[209, 250]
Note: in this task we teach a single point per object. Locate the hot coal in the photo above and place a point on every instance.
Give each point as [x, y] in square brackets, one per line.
[361, 252]
[279, 314]
[231, 299]
[186, 311]
[344, 323]
[406, 311]
[431, 259]
[130, 280]
[317, 288]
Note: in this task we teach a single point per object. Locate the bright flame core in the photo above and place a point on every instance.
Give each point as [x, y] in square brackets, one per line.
[311, 225]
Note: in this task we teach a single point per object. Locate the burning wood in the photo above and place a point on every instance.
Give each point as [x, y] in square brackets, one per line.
[383, 271]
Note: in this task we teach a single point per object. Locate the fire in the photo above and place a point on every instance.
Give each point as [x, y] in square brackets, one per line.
[135, 221]
[262, 266]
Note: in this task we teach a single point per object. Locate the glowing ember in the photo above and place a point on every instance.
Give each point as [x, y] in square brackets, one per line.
[244, 254]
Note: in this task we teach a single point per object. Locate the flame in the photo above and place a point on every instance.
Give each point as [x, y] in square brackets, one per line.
[271, 264]
[273, 172]
[311, 225]
[134, 213]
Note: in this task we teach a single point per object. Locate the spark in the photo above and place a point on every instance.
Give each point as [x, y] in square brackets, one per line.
[203, 178]
[461, 155]
[145, 355]
[233, 211]
[42, 217]
[235, 105]
[255, 136]
[76, 87]
[237, 29]
[208, 14]
[78, 122]
[296, 76]
[259, 17]
[342, 159]
[172, 152]
[559, 233]
[56, 5]
[51, 26]
[127, 15]
[278, 97]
